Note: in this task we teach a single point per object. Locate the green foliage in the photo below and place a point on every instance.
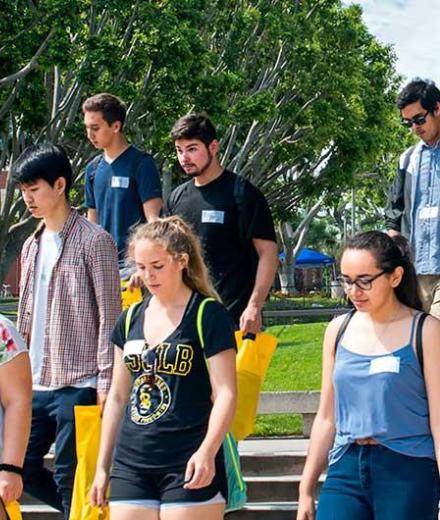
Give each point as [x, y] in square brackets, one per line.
[301, 93]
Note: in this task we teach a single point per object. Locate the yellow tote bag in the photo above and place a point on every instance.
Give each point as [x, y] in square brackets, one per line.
[88, 434]
[13, 510]
[253, 358]
[129, 297]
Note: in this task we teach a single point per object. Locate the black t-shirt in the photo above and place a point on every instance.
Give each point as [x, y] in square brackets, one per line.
[163, 426]
[212, 212]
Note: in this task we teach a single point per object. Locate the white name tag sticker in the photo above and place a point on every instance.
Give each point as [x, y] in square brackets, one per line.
[428, 212]
[134, 347]
[213, 217]
[120, 182]
[385, 364]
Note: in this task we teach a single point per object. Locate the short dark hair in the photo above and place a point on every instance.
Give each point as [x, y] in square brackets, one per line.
[43, 161]
[391, 252]
[194, 126]
[112, 108]
[421, 90]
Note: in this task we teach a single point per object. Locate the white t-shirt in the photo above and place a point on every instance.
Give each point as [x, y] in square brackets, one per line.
[50, 244]
[11, 345]
[48, 252]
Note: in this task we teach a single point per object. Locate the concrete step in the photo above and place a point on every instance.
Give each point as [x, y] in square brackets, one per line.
[282, 488]
[288, 463]
[40, 512]
[265, 511]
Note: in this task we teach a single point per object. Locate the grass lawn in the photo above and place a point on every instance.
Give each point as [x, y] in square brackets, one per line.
[296, 365]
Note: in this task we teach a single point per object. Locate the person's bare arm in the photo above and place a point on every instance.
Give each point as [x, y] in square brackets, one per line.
[113, 411]
[200, 469]
[431, 363]
[323, 430]
[267, 250]
[91, 215]
[16, 399]
[152, 209]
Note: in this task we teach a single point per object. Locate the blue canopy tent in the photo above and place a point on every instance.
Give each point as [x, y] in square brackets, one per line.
[309, 259]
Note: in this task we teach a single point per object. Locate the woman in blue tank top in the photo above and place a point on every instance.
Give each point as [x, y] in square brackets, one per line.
[378, 423]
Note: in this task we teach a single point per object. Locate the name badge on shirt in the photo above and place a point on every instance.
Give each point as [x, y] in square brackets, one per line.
[428, 212]
[213, 217]
[120, 182]
[134, 347]
[385, 364]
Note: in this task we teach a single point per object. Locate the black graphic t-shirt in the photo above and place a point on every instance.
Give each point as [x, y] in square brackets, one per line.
[165, 422]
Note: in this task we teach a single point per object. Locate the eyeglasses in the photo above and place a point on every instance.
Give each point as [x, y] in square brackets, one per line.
[149, 358]
[364, 283]
[417, 120]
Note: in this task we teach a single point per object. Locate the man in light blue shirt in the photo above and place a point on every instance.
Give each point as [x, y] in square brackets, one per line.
[414, 201]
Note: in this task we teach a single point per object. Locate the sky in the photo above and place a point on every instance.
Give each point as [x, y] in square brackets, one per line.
[413, 27]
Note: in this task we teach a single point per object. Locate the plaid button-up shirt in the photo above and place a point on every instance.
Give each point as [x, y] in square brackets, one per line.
[82, 308]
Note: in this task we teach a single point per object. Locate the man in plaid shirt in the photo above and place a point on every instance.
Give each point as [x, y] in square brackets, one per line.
[69, 302]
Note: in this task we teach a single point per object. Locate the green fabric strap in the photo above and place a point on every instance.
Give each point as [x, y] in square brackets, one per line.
[128, 317]
[200, 321]
[228, 446]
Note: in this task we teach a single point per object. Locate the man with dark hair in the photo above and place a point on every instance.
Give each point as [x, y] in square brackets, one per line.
[122, 185]
[232, 219]
[414, 199]
[69, 303]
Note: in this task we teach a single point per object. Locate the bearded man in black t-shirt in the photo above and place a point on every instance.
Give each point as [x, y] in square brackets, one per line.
[231, 218]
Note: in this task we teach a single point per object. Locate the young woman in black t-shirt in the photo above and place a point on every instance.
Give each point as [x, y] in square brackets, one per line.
[168, 460]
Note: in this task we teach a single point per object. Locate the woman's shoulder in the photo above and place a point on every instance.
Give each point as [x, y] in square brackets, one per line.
[212, 306]
[431, 326]
[339, 321]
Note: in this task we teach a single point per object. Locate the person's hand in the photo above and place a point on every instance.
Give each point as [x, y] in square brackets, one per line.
[11, 486]
[250, 320]
[200, 470]
[134, 282]
[99, 489]
[306, 508]
[101, 399]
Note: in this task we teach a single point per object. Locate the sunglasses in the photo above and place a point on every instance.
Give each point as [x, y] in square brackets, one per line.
[149, 358]
[417, 120]
[364, 283]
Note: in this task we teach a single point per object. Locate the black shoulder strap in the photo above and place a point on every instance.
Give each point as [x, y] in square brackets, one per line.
[419, 342]
[95, 163]
[407, 158]
[343, 327]
[239, 187]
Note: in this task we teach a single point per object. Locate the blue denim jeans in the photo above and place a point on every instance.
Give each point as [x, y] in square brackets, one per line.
[376, 483]
[53, 421]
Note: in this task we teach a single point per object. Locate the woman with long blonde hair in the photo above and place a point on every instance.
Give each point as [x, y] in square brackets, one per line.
[168, 461]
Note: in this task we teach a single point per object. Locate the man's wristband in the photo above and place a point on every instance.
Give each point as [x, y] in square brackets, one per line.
[11, 468]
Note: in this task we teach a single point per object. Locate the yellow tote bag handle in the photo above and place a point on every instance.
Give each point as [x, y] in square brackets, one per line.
[88, 434]
[13, 510]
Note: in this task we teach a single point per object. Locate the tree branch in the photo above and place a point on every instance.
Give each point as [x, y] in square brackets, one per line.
[31, 65]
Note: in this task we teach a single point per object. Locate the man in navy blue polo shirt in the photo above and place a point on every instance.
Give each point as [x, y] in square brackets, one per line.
[122, 186]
